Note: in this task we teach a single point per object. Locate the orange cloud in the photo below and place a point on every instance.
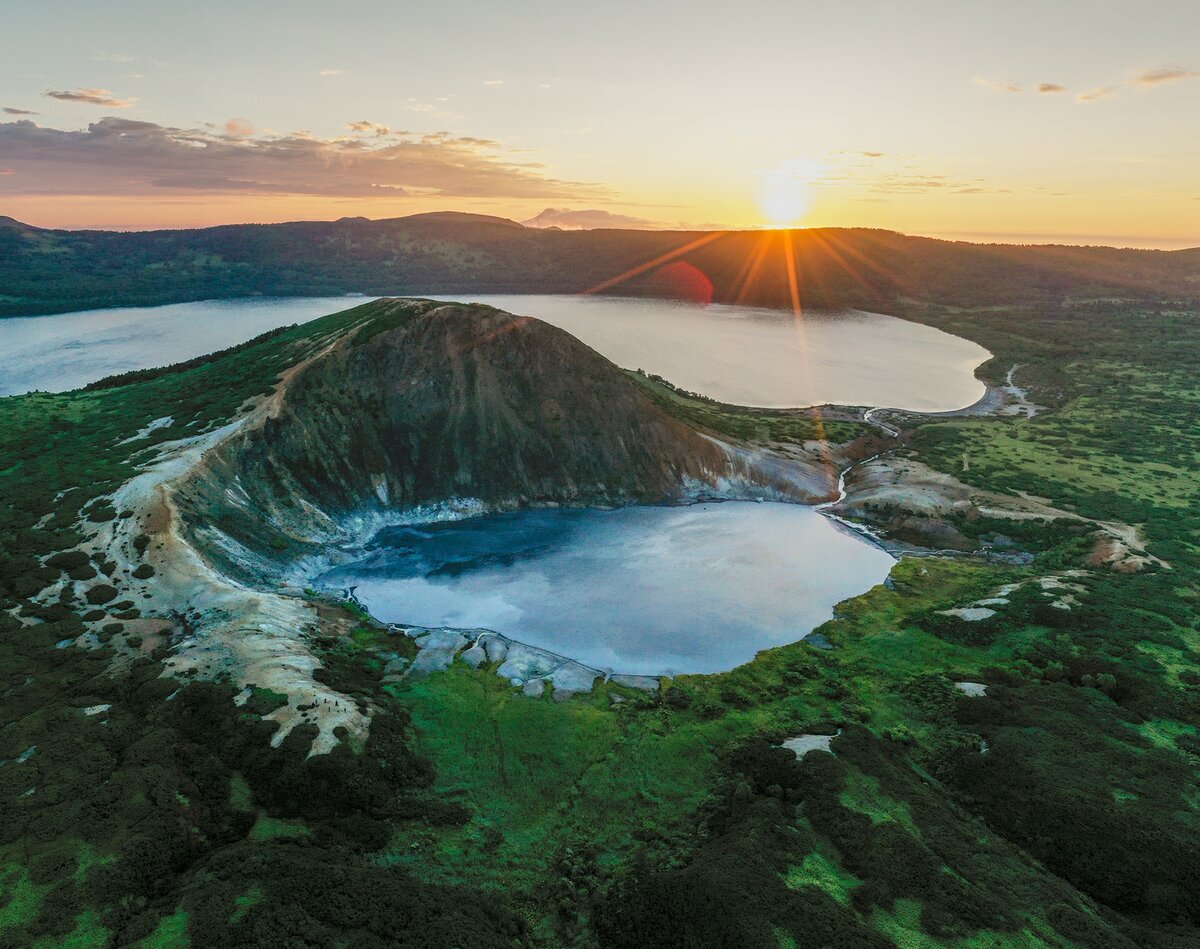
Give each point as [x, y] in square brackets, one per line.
[372, 128]
[999, 86]
[90, 97]
[1164, 74]
[124, 157]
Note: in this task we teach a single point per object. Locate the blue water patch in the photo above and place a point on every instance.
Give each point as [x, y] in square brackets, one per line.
[639, 590]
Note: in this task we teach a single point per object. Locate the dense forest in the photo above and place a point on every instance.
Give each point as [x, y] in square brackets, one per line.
[48, 271]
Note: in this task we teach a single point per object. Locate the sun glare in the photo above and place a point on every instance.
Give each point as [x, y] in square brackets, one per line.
[786, 192]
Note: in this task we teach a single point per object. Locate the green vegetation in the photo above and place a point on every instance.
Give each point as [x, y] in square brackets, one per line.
[824, 874]
[272, 828]
[760, 426]
[47, 271]
[1059, 809]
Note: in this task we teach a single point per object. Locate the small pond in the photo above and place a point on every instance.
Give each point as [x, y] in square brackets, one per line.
[639, 590]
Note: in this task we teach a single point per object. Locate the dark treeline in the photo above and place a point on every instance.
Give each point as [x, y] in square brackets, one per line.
[46, 271]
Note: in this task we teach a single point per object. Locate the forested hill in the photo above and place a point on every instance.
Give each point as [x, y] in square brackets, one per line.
[48, 271]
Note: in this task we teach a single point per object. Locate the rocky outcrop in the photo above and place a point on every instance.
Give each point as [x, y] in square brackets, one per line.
[914, 504]
[439, 404]
[466, 401]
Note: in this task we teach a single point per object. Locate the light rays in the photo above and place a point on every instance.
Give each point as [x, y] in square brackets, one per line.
[838, 254]
[793, 281]
[756, 279]
[656, 262]
[747, 279]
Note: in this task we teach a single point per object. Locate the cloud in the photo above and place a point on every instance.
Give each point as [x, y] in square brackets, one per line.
[330, 72]
[588, 219]
[123, 157]
[103, 57]
[998, 86]
[911, 183]
[7, 171]
[1147, 78]
[371, 128]
[1164, 74]
[91, 97]
[435, 107]
[239, 128]
[493, 82]
[872, 174]
[9, 110]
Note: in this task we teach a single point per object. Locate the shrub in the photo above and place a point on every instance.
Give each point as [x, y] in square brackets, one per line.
[68, 560]
[101, 593]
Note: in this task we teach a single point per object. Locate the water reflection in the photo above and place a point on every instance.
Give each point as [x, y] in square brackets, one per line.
[749, 356]
[646, 590]
[69, 350]
[741, 355]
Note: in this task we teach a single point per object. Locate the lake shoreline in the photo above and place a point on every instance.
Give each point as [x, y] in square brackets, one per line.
[733, 352]
[561, 675]
[604, 586]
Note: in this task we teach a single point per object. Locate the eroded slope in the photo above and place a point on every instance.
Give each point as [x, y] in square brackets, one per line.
[422, 410]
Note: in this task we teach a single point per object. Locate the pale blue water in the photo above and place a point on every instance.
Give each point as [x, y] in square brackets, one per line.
[68, 350]
[741, 355]
[750, 356]
[640, 590]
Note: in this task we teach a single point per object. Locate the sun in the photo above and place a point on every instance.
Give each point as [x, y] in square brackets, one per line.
[786, 192]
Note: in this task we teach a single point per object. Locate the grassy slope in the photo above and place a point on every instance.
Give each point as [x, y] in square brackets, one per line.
[754, 425]
[583, 812]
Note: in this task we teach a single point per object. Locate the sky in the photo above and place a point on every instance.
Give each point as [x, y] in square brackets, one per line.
[1070, 121]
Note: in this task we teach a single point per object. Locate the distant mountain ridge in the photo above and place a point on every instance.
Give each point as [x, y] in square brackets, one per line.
[48, 271]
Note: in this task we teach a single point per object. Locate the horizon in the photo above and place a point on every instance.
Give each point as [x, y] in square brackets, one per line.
[1032, 240]
[1076, 133]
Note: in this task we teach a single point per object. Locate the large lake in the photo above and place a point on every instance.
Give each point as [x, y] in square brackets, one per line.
[741, 355]
[769, 358]
[68, 350]
[639, 590]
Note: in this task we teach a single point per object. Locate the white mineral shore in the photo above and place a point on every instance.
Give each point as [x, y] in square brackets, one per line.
[254, 637]
[803, 744]
[529, 668]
